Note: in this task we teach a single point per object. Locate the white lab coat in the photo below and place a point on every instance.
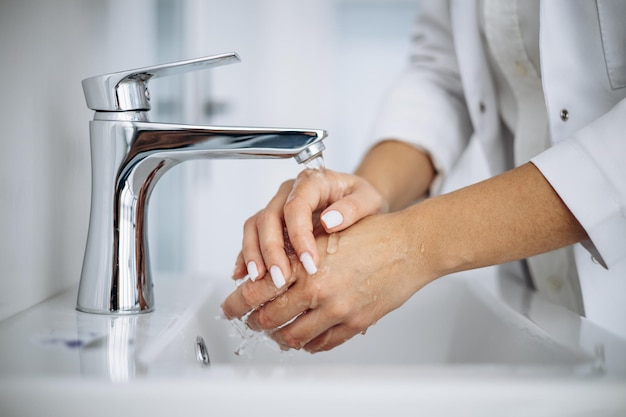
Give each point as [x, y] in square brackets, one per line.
[447, 103]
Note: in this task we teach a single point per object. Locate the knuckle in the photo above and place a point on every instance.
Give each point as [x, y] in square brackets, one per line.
[264, 320]
[306, 180]
[250, 222]
[228, 311]
[284, 190]
[322, 343]
[357, 324]
[339, 311]
[263, 217]
[291, 340]
[269, 252]
[303, 175]
[298, 199]
[286, 185]
[292, 204]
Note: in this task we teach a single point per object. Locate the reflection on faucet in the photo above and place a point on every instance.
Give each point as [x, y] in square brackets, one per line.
[120, 349]
[129, 155]
[112, 354]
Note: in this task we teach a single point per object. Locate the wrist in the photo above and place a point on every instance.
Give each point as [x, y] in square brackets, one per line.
[436, 248]
[423, 256]
[399, 171]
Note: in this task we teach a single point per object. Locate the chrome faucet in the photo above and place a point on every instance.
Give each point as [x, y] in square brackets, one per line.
[129, 154]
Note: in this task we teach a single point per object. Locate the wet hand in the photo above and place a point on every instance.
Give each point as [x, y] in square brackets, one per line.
[316, 198]
[365, 272]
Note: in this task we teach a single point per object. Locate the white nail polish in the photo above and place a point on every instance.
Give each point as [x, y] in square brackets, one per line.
[253, 271]
[332, 219]
[308, 263]
[277, 276]
[239, 282]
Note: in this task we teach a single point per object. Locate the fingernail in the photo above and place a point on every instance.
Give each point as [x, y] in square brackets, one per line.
[253, 271]
[277, 276]
[332, 219]
[239, 282]
[308, 263]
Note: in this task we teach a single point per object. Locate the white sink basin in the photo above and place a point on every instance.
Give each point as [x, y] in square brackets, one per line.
[455, 348]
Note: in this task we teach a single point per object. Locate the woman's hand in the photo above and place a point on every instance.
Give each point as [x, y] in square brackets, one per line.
[316, 198]
[365, 272]
[374, 266]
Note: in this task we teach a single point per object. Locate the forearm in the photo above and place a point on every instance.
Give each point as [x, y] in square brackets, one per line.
[508, 217]
[400, 172]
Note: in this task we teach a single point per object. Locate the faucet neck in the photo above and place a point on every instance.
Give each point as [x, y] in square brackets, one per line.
[121, 116]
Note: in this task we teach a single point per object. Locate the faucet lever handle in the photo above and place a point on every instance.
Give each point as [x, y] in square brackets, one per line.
[128, 90]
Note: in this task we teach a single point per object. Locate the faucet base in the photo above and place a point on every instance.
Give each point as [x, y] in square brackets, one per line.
[114, 312]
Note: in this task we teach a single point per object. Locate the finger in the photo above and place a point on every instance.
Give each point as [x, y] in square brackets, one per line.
[248, 296]
[362, 201]
[284, 308]
[263, 232]
[345, 199]
[271, 239]
[305, 328]
[331, 338]
[240, 270]
[303, 200]
[313, 191]
[252, 258]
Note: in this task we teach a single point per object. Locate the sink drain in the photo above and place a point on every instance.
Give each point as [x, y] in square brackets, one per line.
[202, 354]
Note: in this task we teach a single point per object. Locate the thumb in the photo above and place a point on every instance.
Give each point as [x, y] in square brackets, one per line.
[343, 213]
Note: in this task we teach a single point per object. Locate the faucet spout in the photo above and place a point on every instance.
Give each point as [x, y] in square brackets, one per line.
[129, 155]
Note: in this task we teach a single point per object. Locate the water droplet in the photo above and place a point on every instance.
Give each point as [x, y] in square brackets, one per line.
[331, 246]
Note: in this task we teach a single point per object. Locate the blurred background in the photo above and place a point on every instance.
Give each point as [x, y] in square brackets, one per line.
[307, 63]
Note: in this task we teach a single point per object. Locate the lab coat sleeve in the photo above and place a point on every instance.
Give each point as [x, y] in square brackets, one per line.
[588, 171]
[426, 107]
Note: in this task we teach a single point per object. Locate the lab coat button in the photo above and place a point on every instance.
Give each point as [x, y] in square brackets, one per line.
[594, 260]
[482, 107]
[564, 115]
[554, 283]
